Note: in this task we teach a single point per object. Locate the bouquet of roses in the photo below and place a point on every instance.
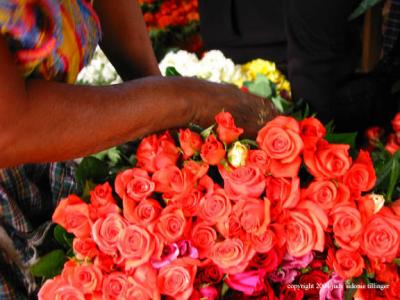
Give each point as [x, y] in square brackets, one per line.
[172, 24]
[205, 215]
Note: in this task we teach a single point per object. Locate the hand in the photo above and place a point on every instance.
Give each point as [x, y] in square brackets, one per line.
[250, 112]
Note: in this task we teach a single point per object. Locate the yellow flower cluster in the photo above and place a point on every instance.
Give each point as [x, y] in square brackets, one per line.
[259, 66]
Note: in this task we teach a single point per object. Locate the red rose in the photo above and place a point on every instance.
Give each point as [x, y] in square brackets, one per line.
[312, 131]
[280, 139]
[210, 273]
[102, 200]
[260, 159]
[226, 129]
[381, 238]
[171, 225]
[190, 142]
[249, 283]
[215, 207]
[283, 192]
[391, 144]
[393, 292]
[328, 160]
[197, 169]
[384, 272]
[243, 182]
[134, 185]
[156, 153]
[361, 177]
[176, 279]
[373, 135]
[348, 264]
[203, 238]
[212, 151]
[314, 279]
[396, 123]
[347, 226]
[172, 181]
[72, 213]
[291, 293]
[268, 262]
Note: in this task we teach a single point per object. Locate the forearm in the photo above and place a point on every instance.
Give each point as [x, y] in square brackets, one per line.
[59, 121]
[125, 39]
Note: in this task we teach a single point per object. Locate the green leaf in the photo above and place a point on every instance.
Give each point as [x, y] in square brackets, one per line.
[92, 168]
[342, 138]
[63, 237]
[261, 86]
[281, 104]
[171, 71]
[87, 188]
[206, 132]
[49, 265]
[362, 8]
[396, 261]
[249, 142]
[394, 176]
[349, 292]
[224, 290]
[113, 154]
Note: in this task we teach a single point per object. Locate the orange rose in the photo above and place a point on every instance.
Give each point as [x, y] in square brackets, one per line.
[347, 226]
[146, 277]
[134, 185]
[323, 193]
[72, 213]
[253, 214]
[190, 142]
[312, 131]
[280, 139]
[137, 245]
[260, 159]
[283, 192]
[328, 160]
[136, 291]
[212, 151]
[176, 279]
[361, 176]
[203, 238]
[232, 255]
[348, 264]
[172, 181]
[102, 200]
[384, 272]
[264, 242]
[230, 227]
[215, 207]
[114, 286]
[243, 182]
[146, 212]
[196, 169]
[87, 278]
[155, 153]
[57, 288]
[84, 248]
[189, 202]
[380, 239]
[171, 225]
[305, 229]
[393, 292]
[106, 232]
[226, 129]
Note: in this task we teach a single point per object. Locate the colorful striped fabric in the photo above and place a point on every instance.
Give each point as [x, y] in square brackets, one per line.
[51, 39]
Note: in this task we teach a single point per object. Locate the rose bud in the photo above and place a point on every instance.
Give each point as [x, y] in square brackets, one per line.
[237, 155]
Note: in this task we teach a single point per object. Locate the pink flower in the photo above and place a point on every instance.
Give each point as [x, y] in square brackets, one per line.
[333, 289]
[247, 282]
[209, 293]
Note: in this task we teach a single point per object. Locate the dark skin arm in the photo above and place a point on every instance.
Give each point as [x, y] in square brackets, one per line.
[125, 40]
[47, 121]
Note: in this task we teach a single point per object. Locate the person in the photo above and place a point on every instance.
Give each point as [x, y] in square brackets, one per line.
[313, 41]
[45, 118]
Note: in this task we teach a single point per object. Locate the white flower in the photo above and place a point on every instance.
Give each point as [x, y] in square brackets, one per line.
[184, 62]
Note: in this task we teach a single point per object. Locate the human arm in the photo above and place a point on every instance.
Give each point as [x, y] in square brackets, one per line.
[125, 40]
[49, 121]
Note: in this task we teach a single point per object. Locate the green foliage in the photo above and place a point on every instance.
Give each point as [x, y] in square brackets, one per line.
[342, 138]
[363, 7]
[92, 168]
[171, 71]
[63, 237]
[49, 265]
[387, 169]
